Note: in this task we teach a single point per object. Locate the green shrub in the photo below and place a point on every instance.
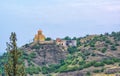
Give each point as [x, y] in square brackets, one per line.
[102, 70]
[93, 54]
[82, 62]
[67, 38]
[85, 45]
[117, 44]
[81, 67]
[26, 45]
[98, 64]
[0, 71]
[62, 68]
[72, 49]
[97, 71]
[37, 46]
[45, 70]
[33, 70]
[86, 53]
[88, 74]
[108, 61]
[113, 47]
[115, 59]
[89, 64]
[93, 48]
[32, 55]
[53, 67]
[107, 41]
[92, 45]
[48, 39]
[103, 50]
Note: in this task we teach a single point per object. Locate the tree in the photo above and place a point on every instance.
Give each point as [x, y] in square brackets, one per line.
[74, 38]
[48, 39]
[67, 38]
[14, 66]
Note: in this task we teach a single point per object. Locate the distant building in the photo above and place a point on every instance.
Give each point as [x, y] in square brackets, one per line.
[58, 41]
[71, 42]
[66, 43]
[39, 37]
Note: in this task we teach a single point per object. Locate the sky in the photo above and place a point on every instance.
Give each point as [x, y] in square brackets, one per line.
[57, 18]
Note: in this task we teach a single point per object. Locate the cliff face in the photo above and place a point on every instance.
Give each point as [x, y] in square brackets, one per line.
[46, 53]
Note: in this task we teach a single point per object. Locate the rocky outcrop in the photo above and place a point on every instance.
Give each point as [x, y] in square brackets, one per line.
[47, 53]
[111, 71]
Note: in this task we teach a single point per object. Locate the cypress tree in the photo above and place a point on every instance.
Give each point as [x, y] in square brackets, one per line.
[14, 66]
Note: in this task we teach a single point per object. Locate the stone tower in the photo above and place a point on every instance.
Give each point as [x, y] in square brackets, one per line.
[39, 37]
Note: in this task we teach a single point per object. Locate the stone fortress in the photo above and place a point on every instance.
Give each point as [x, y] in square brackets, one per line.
[40, 38]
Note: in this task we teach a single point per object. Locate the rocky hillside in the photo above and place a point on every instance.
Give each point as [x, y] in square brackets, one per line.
[94, 55]
[45, 54]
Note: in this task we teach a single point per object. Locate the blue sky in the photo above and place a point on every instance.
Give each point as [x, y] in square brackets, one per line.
[57, 18]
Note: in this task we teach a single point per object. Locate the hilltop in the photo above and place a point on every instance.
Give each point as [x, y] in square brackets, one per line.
[92, 55]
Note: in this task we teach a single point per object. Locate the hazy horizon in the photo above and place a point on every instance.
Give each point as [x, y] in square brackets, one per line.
[57, 18]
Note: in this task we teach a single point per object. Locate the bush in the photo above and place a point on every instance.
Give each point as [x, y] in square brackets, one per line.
[93, 48]
[67, 38]
[97, 71]
[45, 70]
[82, 62]
[33, 70]
[103, 50]
[107, 41]
[116, 44]
[81, 67]
[0, 71]
[37, 46]
[88, 74]
[89, 64]
[86, 53]
[92, 45]
[113, 47]
[48, 39]
[106, 45]
[85, 45]
[26, 45]
[53, 67]
[72, 49]
[102, 70]
[62, 68]
[93, 54]
[98, 64]
[32, 55]
[115, 60]
[72, 68]
[108, 61]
